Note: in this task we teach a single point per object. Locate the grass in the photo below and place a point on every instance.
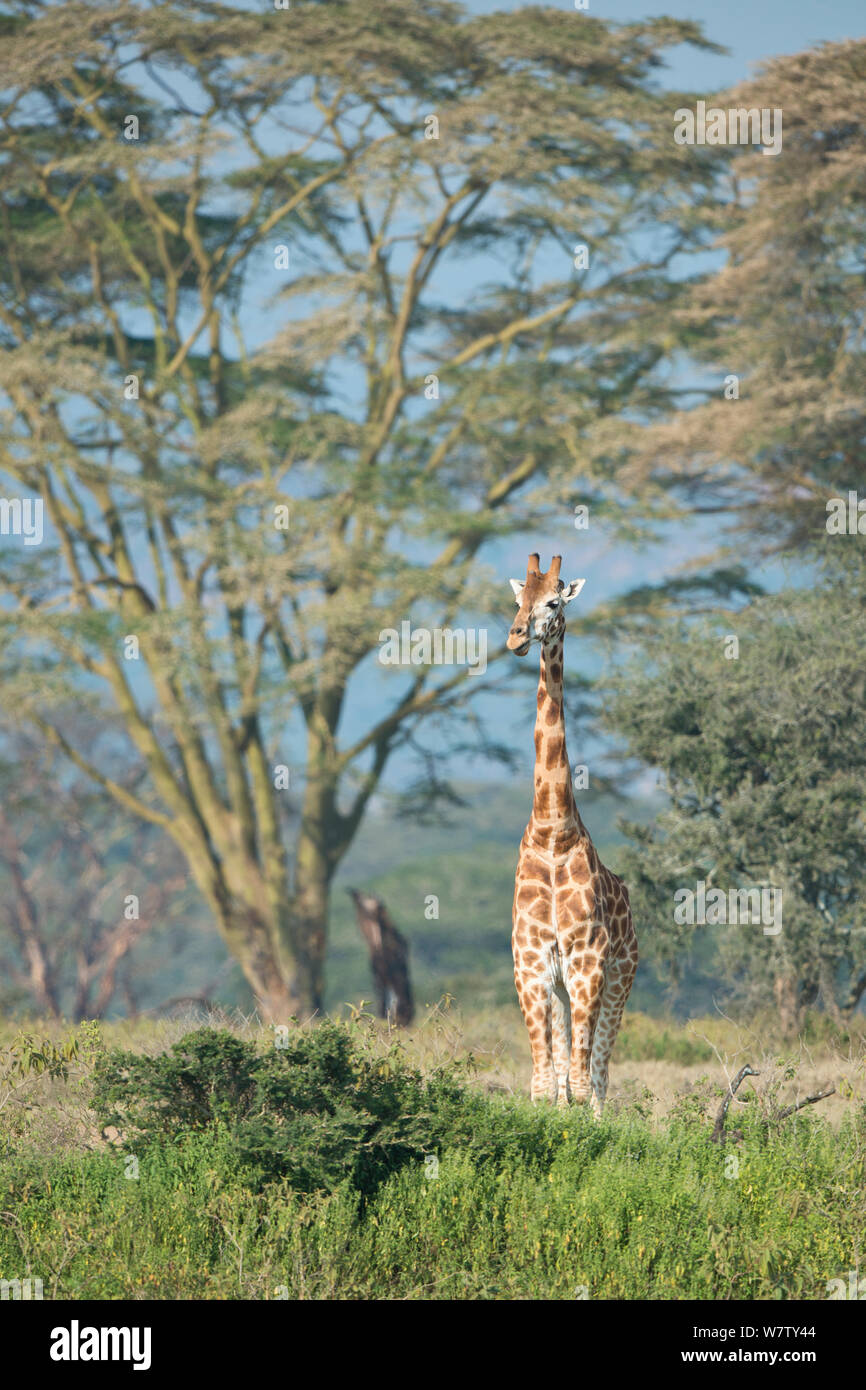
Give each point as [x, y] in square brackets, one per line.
[475, 1193]
[609, 1210]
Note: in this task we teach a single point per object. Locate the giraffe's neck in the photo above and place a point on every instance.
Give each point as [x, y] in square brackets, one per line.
[555, 824]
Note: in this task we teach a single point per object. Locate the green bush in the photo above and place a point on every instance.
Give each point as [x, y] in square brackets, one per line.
[314, 1113]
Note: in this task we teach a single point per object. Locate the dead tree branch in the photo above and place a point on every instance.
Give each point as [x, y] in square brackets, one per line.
[809, 1100]
[718, 1134]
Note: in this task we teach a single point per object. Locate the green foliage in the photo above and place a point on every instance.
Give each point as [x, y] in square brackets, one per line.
[40, 1055]
[315, 1112]
[27, 1063]
[764, 764]
[320, 1185]
[205, 1077]
[27, 1058]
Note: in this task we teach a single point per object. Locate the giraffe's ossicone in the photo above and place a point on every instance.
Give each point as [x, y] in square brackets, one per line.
[574, 944]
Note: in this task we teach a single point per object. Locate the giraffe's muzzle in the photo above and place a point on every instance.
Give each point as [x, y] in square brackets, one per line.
[519, 640]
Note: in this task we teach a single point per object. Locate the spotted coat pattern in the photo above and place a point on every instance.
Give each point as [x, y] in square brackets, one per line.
[574, 945]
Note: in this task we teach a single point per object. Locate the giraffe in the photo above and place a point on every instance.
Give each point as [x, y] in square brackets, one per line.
[574, 945]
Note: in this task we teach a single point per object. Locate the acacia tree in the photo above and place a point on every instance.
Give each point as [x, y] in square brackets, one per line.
[241, 498]
[785, 314]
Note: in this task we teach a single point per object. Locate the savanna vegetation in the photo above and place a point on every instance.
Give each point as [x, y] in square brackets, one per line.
[335, 1164]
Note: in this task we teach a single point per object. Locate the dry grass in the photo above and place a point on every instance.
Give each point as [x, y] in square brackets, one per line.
[707, 1051]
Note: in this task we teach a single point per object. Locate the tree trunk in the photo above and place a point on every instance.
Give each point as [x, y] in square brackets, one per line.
[250, 942]
[793, 997]
[25, 924]
[245, 926]
[828, 994]
[279, 939]
[320, 847]
[310, 919]
[785, 994]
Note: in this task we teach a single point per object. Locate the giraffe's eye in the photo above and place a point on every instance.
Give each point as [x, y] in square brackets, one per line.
[552, 603]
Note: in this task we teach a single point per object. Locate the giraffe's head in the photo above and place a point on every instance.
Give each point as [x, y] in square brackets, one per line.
[541, 600]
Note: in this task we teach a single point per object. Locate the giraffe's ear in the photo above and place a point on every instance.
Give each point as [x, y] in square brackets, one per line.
[516, 587]
[572, 590]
